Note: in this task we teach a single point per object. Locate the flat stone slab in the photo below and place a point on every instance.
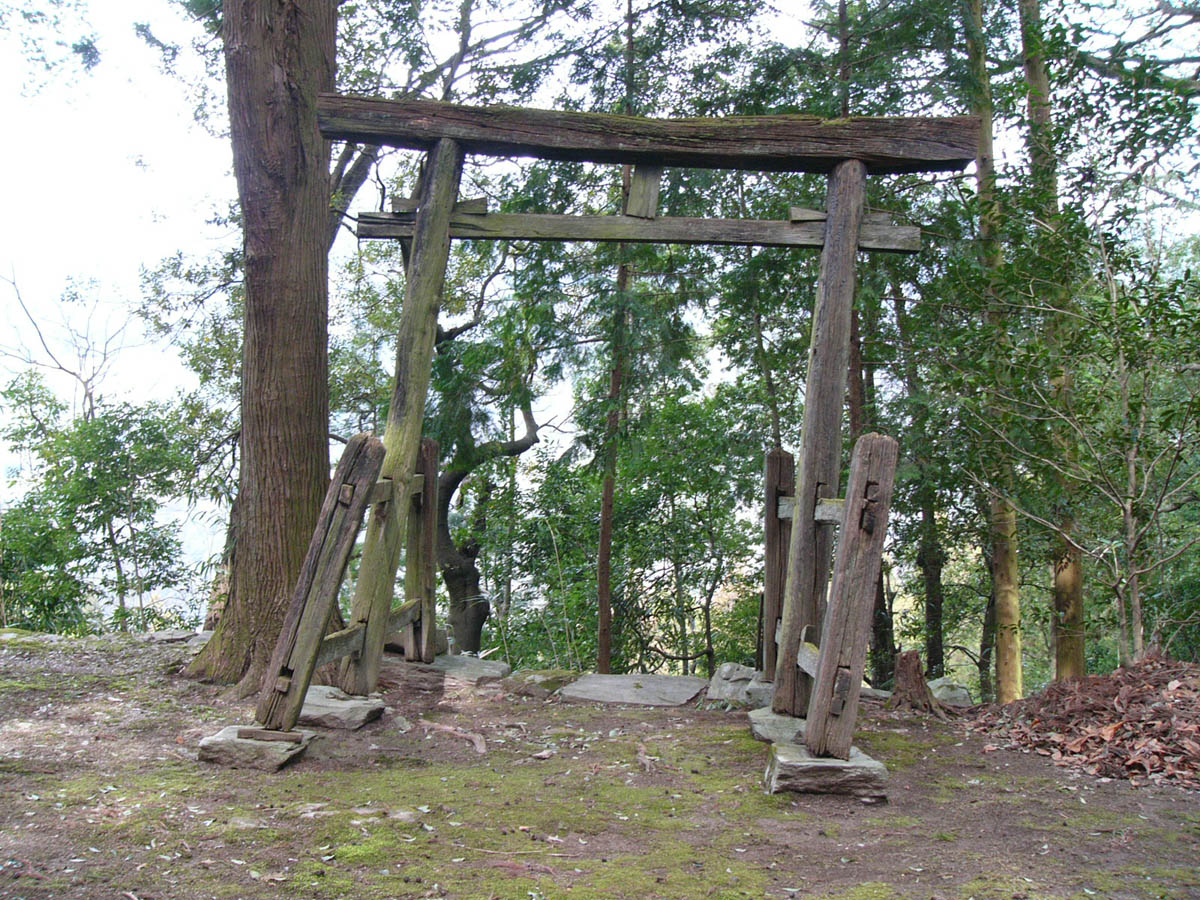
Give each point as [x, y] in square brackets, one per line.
[792, 768]
[330, 707]
[776, 728]
[538, 683]
[641, 690]
[225, 748]
[472, 669]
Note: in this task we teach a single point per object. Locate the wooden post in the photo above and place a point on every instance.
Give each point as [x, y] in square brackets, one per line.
[419, 638]
[821, 435]
[846, 633]
[414, 356]
[286, 679]
[779, 481]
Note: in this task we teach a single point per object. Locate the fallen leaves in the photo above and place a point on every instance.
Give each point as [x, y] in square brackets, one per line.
[1140, 723]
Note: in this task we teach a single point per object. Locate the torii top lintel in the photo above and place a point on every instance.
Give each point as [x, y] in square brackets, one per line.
[779, 143]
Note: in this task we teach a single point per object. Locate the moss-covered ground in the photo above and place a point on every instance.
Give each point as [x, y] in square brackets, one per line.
[101, 795]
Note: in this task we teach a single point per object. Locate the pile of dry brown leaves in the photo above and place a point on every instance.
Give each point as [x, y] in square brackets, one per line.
[1140, 723]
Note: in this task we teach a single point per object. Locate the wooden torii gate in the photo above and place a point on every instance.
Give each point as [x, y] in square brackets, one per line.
[847, 149]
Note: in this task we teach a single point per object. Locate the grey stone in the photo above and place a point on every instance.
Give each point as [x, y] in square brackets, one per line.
[949, 691]
[735, 683]
[169, 636]
[199, 639]
[643, 690]
[792, 768]
[871, 693]
[329, 707]
[472, 669]
[538, 683]
[225, 748]
[775, 728]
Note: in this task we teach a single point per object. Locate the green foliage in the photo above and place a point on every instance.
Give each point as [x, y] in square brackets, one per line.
[88, 526]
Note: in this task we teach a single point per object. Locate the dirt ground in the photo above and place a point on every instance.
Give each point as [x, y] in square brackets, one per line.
[101, 796]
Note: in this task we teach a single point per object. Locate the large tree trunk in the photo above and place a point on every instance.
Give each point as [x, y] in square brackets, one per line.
[469, 606]
[278, 56]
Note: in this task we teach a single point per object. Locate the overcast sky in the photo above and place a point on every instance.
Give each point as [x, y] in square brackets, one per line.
[106, 172]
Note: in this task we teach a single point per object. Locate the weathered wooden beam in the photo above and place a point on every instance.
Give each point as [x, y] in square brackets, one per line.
[341, 643]
[819, 466]
[644, 186]
[828, 511]
[286, 679]
[779, 481]
[802, 214]
[784, 143]
[475, 205]
[402, 438]
[404, 614]
[633, 230]
[846, 631]
[420, 563]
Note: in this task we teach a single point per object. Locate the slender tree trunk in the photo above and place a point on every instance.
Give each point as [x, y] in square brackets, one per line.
[604, 604]
[987, 644]
[609, 485]
[1005, 586]
[1002, 517]
[931, 559]
[1067, 568]
[122, 616]
[883, 637]
[278, 57]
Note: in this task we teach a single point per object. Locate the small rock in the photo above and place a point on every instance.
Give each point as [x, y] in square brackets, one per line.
[949, 691]
[734, 683]
[227, 749]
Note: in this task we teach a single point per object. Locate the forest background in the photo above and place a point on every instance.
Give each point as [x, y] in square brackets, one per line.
[1039, 361]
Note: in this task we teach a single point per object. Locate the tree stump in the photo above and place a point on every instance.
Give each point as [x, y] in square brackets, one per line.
[911, 691]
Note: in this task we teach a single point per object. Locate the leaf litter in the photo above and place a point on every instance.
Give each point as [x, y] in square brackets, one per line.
[1140, 723]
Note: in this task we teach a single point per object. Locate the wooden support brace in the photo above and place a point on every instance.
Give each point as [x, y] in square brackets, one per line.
[644, 186]
[827, 512]
[476, 206]
[419, 638]
[818, 468]
[386, 534]
[267, 734]
[779, 481]
[846, 631]
[289, 673]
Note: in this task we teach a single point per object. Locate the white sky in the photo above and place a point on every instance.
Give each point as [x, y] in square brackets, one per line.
[107, 172]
